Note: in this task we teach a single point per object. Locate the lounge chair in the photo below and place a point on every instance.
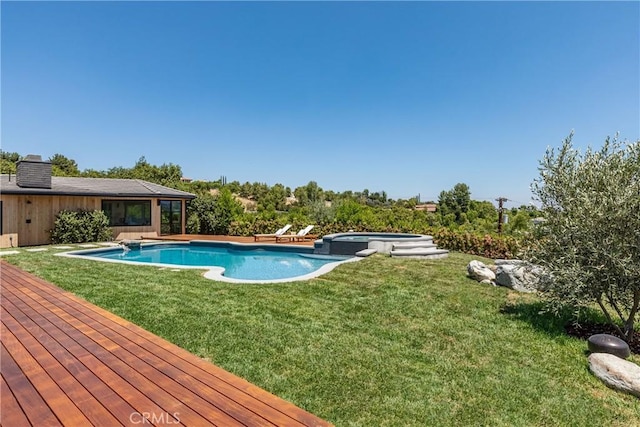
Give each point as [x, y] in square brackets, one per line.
[275, 235]
[301, 236]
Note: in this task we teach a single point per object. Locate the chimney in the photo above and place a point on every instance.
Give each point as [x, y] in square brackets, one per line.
[32, 172]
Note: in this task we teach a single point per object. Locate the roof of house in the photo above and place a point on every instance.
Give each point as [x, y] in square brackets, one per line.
[102, 187]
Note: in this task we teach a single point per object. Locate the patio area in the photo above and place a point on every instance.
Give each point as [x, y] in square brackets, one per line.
[65, 361]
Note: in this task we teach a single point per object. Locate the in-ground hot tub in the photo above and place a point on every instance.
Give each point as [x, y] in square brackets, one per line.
[350, 243]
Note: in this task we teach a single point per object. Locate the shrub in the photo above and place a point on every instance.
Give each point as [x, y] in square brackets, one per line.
[208, 214]
[200, 215]
[193, 224]
[589, 242]
[80, 226]
[249, 225]
[474, 244]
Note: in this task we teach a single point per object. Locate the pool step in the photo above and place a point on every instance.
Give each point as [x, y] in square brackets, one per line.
[412, 245]
[131, 244]
[422, 253]
[423, 249]
[415, 242]
[366, 252]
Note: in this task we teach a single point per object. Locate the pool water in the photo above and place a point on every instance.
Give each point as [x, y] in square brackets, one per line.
[253, 264]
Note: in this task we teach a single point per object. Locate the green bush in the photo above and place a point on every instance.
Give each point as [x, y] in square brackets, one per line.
[80, 226]
[474, 244]
[208, 214]
[193, 224]
[250, 225]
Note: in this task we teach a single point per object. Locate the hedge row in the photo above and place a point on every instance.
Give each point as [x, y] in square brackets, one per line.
[495, 247]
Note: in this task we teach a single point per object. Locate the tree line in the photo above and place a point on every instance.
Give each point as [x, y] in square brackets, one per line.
[455, 208]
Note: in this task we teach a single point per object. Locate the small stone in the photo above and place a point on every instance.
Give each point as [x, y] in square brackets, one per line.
[605, 343]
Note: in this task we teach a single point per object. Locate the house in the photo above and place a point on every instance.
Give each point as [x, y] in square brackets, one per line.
[31, 199]
[429, 207]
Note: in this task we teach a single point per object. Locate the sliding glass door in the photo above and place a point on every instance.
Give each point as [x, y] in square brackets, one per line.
[170, 216]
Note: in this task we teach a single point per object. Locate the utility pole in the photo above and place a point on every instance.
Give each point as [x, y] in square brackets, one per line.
[500, 201]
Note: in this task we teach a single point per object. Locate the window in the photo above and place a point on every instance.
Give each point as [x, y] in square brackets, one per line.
[127, 212]
[1, 218]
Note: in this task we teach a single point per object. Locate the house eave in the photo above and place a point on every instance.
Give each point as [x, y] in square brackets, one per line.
[40, 192]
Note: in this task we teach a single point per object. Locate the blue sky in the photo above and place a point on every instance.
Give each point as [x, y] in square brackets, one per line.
[406, 97]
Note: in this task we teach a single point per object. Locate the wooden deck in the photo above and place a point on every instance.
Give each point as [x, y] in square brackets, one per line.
[67, 362]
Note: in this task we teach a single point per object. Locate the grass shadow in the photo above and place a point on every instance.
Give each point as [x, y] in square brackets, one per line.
[534, 314]
[566, 323]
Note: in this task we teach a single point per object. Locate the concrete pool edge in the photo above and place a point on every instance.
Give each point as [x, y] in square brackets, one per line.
[215, 272]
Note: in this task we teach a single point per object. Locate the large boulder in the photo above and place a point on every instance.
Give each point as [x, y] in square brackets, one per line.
[480, 272]
[615, 372]
[518, 275]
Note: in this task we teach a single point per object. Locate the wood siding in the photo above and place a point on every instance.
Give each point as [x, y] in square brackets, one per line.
[27, 219]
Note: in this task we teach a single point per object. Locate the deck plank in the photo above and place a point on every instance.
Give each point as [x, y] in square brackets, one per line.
[112, 369]
[59, 402]
[77, 390]
[33, 405]
[11, 414]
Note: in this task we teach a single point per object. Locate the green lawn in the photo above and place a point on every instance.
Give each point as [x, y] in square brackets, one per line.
[378, 342]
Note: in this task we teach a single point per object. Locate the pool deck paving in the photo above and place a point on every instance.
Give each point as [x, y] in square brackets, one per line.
[65, 361]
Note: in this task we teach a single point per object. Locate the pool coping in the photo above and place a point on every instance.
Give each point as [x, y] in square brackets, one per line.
[214, 272]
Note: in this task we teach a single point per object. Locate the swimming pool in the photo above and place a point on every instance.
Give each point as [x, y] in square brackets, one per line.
[229, 262]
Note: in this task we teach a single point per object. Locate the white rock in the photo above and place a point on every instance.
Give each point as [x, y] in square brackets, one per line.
[480, 272]
[615, 372]
[517, 275]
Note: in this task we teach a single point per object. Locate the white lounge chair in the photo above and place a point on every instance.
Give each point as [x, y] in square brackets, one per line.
[275, 235]
[301, 236]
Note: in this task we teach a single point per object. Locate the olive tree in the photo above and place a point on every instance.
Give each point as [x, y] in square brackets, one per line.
[590, 242]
